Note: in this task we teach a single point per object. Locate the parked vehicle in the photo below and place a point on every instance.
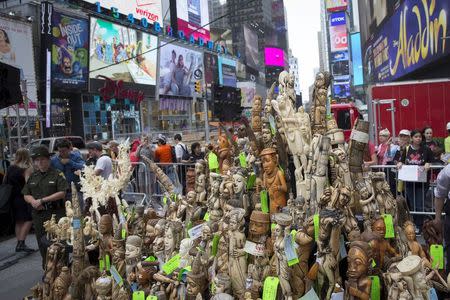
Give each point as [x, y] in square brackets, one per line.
[345, 115]
[52, 143]
[410, 105]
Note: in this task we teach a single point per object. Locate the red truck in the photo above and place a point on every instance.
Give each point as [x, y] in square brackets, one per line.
[410, 105]
[345, 115]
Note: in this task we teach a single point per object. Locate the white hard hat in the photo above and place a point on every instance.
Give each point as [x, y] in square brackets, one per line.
[448, 126]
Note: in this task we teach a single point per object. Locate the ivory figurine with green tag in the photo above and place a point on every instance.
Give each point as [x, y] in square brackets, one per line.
[379, 228]
[237, 260]
[273, 180]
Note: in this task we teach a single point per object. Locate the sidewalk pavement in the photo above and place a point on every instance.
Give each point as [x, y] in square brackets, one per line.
[19, 272]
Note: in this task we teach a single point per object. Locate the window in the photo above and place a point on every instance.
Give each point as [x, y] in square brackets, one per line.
[343, 120]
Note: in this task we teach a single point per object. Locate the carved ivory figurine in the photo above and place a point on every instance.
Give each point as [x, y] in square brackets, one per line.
[273, 180]
[133, 252]
[200, 182]
[224, 154]
[106, 230]
[291, 125]
[256, 114]
[358, 284]
[414, 247]
[237, 256]
[378, 227]
[318, 109]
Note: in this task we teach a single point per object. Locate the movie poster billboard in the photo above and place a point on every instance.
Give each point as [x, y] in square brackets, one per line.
[407, 41]
[16, 49]
[193, 18]
[227, 72]
[211, 68]
[70, 44]
[122, 53]
[149, 9]
[179, 69]
[248, 92]
[251, 47]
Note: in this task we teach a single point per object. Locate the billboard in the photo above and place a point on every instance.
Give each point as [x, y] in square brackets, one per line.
[338, 38]
[339, 56]
[223, 40]
[122, 53]
[274, 57]
[251, 47]
[211, 68]
[191, 16]
[248, 92]
[337, 5]
[358, 76]
[227, 72]
[70, 48]
[16, 49]
[338, 18]
[341, 89]
[179, 69]
[407, 41]
[149, 9]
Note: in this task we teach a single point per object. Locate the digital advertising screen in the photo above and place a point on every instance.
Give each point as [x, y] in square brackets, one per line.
[122, 53]
[341, 89]
[70, 52]
[211, 68]
[274, 57]
[336, 5]
[248, 92]
[191, 16]
[17, 51]
[338, 38]
[339, 56]
[251, 47]
[179, 69]
[338, 18]
[149, 9]
[227, 72]
[358, 73]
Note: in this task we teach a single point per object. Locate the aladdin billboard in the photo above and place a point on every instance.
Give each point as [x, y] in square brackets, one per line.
[415, 36]
[337, 5]
[190, 16]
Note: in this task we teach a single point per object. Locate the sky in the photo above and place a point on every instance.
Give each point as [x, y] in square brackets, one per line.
[303, 18]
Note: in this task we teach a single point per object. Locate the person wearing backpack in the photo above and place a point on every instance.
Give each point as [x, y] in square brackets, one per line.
[182, 155]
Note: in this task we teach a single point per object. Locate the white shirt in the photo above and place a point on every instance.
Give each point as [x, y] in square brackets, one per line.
[179, 150]
[104, 164]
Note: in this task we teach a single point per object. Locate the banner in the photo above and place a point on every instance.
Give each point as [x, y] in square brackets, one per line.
[248, 92]
[407, 41]
[193, 15]
[337, 5]
[122, 53]
[251, 47]
[70, 44]
[149, 9]
[179, 69]
[16, 49]
[338, 38]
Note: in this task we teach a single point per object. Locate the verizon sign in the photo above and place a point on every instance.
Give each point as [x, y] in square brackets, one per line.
[149, 9]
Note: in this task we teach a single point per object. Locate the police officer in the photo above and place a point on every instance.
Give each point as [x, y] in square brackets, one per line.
[45, 190]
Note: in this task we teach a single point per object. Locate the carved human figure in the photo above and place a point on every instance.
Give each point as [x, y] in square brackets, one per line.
[256, 114]
[379, 227]
[200, 182]
[414, 246]
[118, 256]
[222, 257]
[171, 240]
[319, 157]
[103, 287]
[368, 204]
[237, 256]
[138, 224]
[256, 273]
[340, 168]
[105, 228]
[133, 252]
[385, 199]
[273, 180]
[283, 272]
[266, 136]
[196, 279]
[239, 183]
[358, 284]
[305, 241]
[222, 284]
[224, 154]
[61, 285]
[318, 109]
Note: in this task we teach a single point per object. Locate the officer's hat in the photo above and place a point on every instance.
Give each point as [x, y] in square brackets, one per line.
[40, 151]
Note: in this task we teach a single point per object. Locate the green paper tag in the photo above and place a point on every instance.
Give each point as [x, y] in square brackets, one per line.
[270, 288]
[184, 271]
[251, 181]
[138, 295]
[272, 226]
[215, 244]
[293, 234]
[264, 202]
[150, 258]
[124, 233]
[374, 264]
[151, 297]
[316, 226]
[437, 256]
[375, 288]
[107, 262]
[213, 162]
[273, 127]
[172, 264]
[206, 217]
[174, 197]
[165, 200]
[389, 222]
[101, 264]
[243, 160]
[115, 274]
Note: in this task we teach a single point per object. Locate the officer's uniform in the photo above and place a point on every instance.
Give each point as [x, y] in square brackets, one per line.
[41, 185]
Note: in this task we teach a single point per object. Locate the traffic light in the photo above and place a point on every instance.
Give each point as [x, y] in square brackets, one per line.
[198, 87]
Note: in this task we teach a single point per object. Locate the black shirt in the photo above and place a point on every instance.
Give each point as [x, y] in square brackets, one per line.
[419, 156]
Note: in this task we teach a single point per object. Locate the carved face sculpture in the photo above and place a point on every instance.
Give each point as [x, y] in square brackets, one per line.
[133, 247]
[344, 197]
[199, 168]
[169, 240]
[238, 183]
[105, 226]
[358, 263]
[190, 198]
[257, 104]
[277, 231]
[266, 135]
[269, 163]
[193, 286]
[259, 224]
[364, 192]
[320, 80]
[215, 186]
[341, 155]
[233, 224]
[410, 232]
[222, 284]
[379, 227]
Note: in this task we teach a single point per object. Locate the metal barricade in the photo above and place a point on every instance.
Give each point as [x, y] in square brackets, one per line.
[419, 195]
